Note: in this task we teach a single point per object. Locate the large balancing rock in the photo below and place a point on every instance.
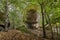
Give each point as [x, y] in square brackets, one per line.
[31, 18]
[31, 15]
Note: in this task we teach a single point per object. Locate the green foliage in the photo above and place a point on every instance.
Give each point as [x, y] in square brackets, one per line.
[17, 10]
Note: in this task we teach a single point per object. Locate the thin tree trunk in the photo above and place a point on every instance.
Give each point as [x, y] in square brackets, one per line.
[6, 15]
[42, 11]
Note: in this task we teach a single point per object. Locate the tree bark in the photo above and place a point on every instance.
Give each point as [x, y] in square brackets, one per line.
[6, 15]
[42, 11]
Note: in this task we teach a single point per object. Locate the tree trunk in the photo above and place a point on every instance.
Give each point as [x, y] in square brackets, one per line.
[6, 15]
[42, 11]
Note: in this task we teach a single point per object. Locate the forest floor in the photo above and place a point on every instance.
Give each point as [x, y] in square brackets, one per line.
[19, 35]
